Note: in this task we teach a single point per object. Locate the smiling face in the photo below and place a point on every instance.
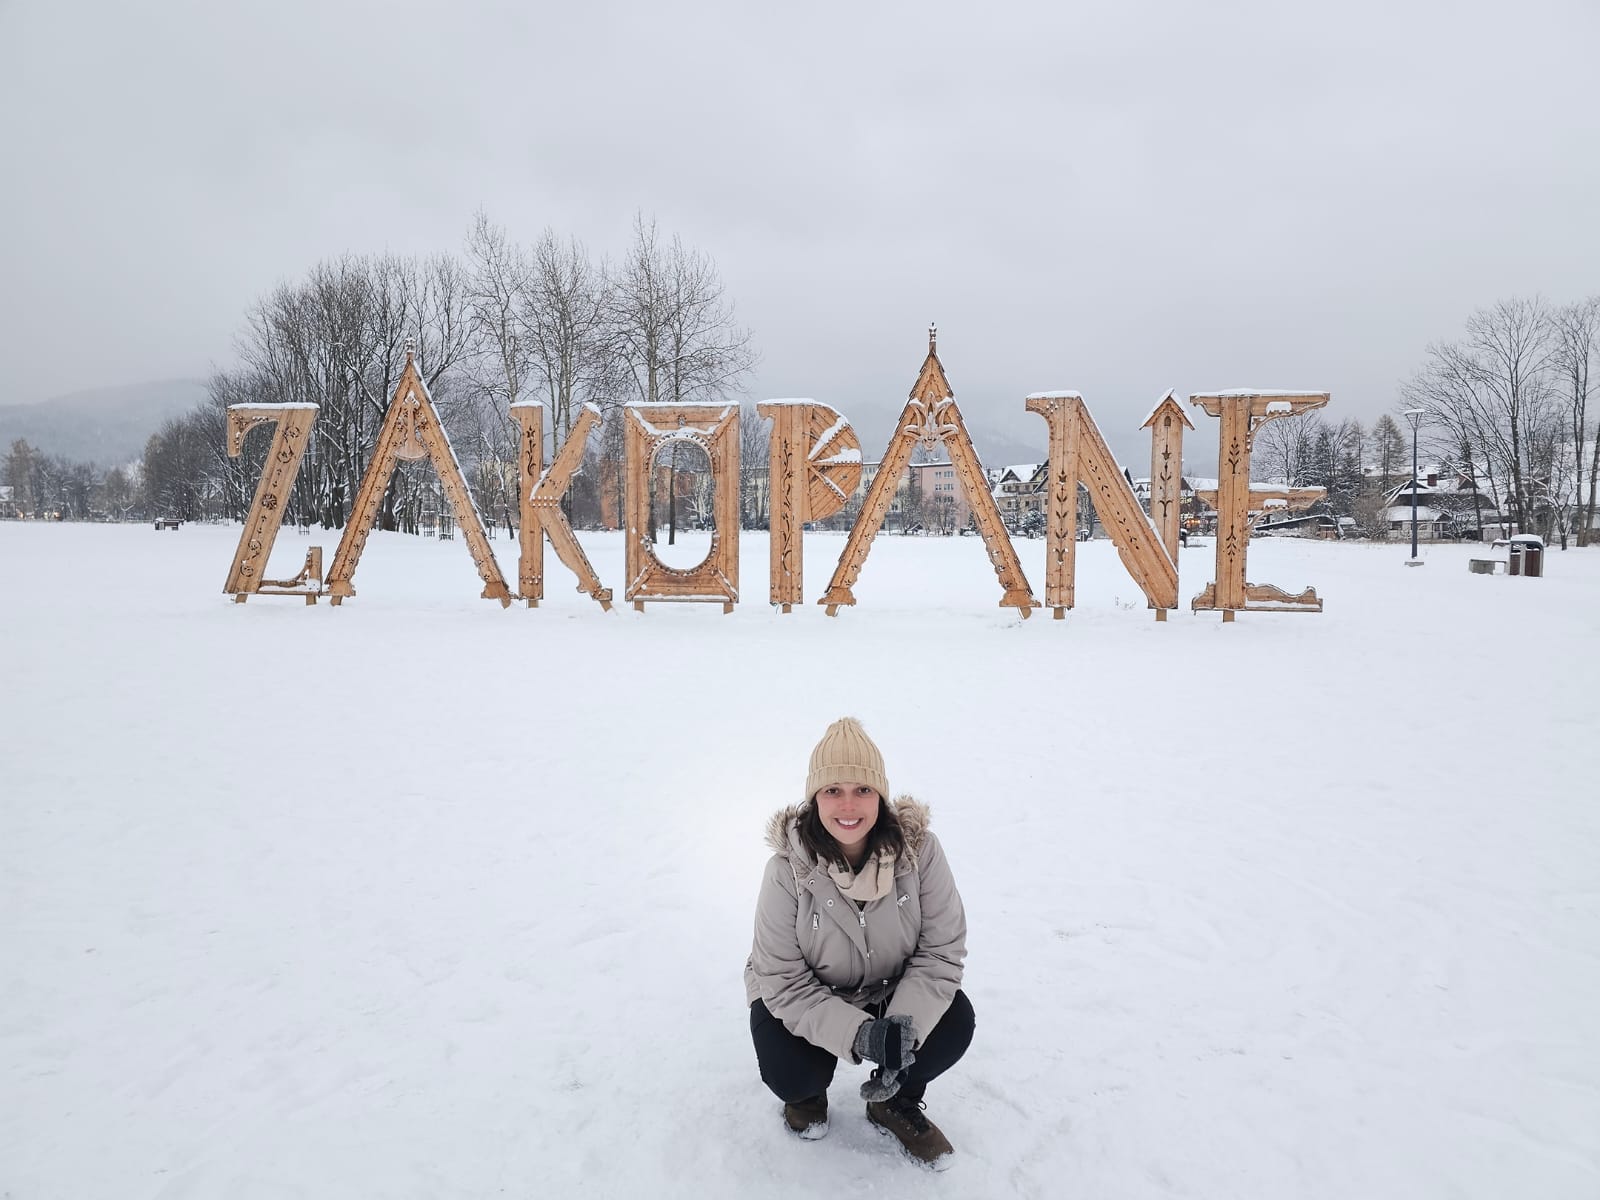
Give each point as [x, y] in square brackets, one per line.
[848, 811]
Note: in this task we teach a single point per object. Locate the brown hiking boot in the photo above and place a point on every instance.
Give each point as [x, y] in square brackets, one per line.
[920, 1136]
[808, 1118]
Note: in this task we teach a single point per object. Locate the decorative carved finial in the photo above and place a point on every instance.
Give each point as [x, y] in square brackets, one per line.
[933, 338]
[411, 348]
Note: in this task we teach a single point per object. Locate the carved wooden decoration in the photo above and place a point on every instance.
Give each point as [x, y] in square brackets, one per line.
[541, 493]
[1242, 413]
[1078, 454]
[412, 431]
[930, 418]
[814, 467]
[715, 429]
[289, 440]
[1166, 424]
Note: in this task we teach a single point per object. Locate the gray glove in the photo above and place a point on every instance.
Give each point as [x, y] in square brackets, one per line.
[881, 1085]
[887, 1042]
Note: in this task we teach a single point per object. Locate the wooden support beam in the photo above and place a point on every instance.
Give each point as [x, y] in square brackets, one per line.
[1061, 510]
[529, 415]
[1166, 424]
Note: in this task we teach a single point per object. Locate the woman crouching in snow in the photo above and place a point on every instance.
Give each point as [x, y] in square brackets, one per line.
[859, 939]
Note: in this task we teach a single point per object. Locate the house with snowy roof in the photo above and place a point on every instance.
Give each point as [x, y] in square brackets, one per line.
[1450, 504]
[1433, 522]
[1019, 488]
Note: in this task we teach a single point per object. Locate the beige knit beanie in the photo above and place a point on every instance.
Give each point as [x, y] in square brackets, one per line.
[846, 755]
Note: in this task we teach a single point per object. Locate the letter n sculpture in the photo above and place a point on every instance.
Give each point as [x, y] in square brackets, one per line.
[1078, 454]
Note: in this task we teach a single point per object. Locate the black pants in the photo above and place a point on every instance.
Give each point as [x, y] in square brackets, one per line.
[796, 1070]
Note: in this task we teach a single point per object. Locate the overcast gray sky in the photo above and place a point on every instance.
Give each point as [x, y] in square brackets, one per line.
[1116, 197]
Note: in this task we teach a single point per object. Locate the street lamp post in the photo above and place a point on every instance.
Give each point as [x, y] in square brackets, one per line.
[1414, 415]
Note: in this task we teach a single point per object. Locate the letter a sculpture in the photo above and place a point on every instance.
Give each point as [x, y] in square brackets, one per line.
[930, 418]
[411, 431]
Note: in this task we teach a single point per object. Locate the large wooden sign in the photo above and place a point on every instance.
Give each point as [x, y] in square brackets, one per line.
[931, 418]
[412, 431]
[1078, 454]
[541, 505]
[292, 434]
[1242, 414]
[649, 429]
[814, 463]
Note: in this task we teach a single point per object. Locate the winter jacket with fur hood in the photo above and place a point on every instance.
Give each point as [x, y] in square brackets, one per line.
[818, 963]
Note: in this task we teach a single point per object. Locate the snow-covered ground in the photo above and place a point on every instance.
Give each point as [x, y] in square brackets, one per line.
[420, 897]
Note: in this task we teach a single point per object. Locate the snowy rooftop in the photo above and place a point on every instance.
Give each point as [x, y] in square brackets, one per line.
[1169, 397]
[1023, 471]
[1263, 392]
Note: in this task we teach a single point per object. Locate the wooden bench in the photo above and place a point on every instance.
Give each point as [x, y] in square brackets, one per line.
[1486, 566]
[167, 523]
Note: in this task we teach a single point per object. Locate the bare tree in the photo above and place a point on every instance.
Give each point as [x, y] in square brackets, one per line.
[755, 486]
[1553, 465]
[497, 303]
[174, 471]
[672, 332]
[672, 335]
[506, 324]
[1283, 448]
[566, 315]
[1493, 389]
[17, 472]
[1389, 450]
[499, 367]
[1577, 350]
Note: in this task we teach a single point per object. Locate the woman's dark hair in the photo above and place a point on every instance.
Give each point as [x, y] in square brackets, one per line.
[885, 834]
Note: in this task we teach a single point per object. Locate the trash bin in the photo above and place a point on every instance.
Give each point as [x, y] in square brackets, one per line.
[1526, 556]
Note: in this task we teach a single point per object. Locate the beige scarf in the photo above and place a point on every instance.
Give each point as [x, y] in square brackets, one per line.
[873, 881]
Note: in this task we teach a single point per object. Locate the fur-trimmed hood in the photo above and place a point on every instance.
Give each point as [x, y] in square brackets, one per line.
[783, 834]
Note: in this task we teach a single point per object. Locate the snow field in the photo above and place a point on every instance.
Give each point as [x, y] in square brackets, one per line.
[423, 898]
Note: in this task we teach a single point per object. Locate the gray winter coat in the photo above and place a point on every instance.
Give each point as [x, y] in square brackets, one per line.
[818, 963]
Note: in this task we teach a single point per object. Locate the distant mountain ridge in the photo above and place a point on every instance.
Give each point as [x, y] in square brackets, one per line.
[105, 426]
[109, 427]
